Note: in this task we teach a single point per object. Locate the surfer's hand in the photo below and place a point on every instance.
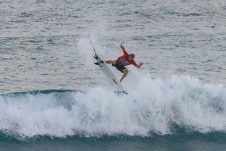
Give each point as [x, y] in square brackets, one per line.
[140, 64]
[121, 45]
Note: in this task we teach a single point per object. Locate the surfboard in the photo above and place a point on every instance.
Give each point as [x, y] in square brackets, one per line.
[107, 72]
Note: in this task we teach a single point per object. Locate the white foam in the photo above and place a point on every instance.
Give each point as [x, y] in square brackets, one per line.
[151, 107]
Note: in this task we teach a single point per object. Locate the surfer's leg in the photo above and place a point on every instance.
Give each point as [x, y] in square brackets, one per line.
[125, 72]
[110, 62]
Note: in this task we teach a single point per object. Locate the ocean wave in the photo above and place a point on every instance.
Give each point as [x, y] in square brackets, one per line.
[177, 105]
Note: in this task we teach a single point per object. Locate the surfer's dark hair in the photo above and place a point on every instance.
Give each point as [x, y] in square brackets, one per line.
[132, 55]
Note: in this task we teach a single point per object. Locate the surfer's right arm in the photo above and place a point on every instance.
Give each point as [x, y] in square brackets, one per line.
[123, 49]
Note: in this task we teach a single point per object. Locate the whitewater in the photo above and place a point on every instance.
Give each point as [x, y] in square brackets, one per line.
[52, 96]
[154, 106]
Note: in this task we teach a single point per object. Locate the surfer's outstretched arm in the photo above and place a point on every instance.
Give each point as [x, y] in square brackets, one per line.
[124, 50]
[139, 65]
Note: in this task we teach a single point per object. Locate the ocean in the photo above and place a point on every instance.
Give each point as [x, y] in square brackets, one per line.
[53, 97]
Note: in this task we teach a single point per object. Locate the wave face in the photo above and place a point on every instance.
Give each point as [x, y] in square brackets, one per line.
[155, 106]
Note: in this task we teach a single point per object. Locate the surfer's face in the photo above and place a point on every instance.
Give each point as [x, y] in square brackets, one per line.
[131, 58]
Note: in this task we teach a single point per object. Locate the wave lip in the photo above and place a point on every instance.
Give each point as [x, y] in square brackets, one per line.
[156, 106]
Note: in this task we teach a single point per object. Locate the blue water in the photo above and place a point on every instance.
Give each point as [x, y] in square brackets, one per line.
[52, 96]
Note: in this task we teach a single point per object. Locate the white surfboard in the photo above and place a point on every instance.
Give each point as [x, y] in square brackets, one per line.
[107, 72]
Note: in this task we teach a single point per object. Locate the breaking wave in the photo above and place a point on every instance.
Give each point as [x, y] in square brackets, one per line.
[156, 106]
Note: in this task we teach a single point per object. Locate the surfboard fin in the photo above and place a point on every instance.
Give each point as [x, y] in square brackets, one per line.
[95, 57]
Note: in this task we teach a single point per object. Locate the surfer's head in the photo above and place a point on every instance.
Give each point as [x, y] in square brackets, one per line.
[131, 56]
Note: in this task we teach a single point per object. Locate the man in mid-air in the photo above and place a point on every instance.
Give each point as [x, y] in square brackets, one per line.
[123, 61]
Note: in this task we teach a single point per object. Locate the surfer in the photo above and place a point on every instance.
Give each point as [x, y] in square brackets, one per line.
[123, 61]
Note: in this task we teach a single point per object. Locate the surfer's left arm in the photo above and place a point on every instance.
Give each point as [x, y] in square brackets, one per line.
[139, 65]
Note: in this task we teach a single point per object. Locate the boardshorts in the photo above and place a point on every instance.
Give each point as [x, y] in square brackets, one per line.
[118, 66]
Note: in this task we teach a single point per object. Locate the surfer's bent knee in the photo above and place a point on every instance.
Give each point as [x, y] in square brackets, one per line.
[125, 70]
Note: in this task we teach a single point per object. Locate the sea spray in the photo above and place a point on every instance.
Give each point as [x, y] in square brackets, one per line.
[153, 106]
